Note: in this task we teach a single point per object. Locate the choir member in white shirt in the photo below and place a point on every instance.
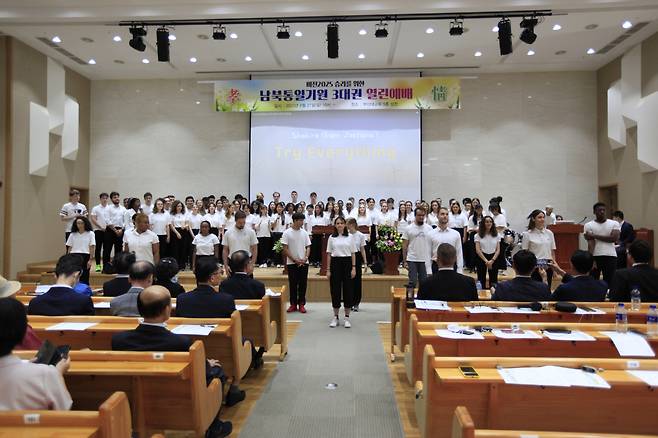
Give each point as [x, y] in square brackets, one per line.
[189, 203]
[470, 256]
[159, 220]
[147, 206]
[360, 241]
[341, 271]
[205, 244]
[194, 218]
[456, 220]
[318, 219]
[82, 242]
[214, 218]
[296, 250]
[131, 211]
[293, 197]
[404, 218]
[240, 238]
[114, 229]
[180, 233]
[550, 216]
[500, 221]
[444, 234]
[98, 217]
[290, 210]
[540, 241]
[416, 247]
[142, 241]
[349, 210]
[71, 211]
[336, 211]
[432, 217]
[601, 235]
[264, 236]
[387, 217]
[487, 248]
[278, 226]
[229, 218]
[307, 215]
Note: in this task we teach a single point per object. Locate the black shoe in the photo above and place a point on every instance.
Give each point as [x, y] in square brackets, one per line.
[234, 396]
[219, 429]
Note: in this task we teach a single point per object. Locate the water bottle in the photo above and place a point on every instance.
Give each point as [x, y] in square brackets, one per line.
[652, 321]
[636, 299]
[621, 318]
[478, 285]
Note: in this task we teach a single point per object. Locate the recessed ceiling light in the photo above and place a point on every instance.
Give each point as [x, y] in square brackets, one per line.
[420, 55]
[87, 40]
[627, 24]
[560, 52]
[494, 29]
[429, 30]
[591, 51]
[181, 89]
[234, 36]
[198, 102]
[449, 55]
[193, 60]
[478, 53]
[172, 37]
[591, 26]
[145, 61]
[531, 52]
[92, 61]
[363, 32]
[361, 56]
[299, 34]
[305, 57]
[557, 27]
[248, 58]
[56, 39]
[116, 38]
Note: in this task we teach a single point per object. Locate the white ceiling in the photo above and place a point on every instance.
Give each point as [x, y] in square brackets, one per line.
[73, 20]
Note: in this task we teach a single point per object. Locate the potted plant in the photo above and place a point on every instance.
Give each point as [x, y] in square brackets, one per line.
[278, 248]
[389, 243]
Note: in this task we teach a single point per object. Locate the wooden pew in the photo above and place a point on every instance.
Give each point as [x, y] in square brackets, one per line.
[111, 420]
[625, 408]
[167, 391]
[463, 427]
[224, 343]
[423, 333]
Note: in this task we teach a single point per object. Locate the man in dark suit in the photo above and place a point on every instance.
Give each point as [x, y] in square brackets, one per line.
[140, 276]
[522, 287]
[205, 301]
[239, 284]
[626, 237]
[582, 286]
[151, 334]
[640, 275]
[446, 284]
[120, 284]
[61, 299]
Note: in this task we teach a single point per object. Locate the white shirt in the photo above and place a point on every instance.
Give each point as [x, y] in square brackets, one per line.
[539, 242]
[473, 226]
[452, 237]
[375, 215]
[237, 240]
[551, 219]
[195, 220]
[80, 242]
[147, 209]
[388, 218]
[252, 219]
[366, 220]
[205, 245]
[419, 248]
[488, 243]
[128, 219]
[432, 219]
[159, 222]
[179, 220]
[297, 241]
[31, 386]
[500, 221]
[262, 226]
[141, 244]
[214, 219]
[115, 215]
[603, 229]
[70, 211]
[352, 213]
[101, 215]
[359, 239]
[456, 220]
[316, 220]
[276, 220]
[340, 246]
[403, 223]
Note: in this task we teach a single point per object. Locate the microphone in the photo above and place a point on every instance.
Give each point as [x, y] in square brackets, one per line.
[583, 220]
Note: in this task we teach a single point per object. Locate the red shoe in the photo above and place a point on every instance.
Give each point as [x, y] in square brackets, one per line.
[302, 309]
[292, 308]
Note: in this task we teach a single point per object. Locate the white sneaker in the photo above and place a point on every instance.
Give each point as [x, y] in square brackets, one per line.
[347, 323]
[263, 265]
[333, 323]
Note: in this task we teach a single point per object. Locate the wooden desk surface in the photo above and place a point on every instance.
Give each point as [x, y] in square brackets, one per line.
[122, 325]
[48, 432]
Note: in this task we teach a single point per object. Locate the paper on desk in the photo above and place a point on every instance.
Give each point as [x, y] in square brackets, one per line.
[482, 309]
[522, 334]
[42, 289]
[431, 305]
[101, 304]
[444, 333]
[552, 376]
[240, 307]
[594, 311]
[630, 344]
[575, 335]
[71, 326]
[192, 329]
[271, 293]
[517, 310]
[648, 377]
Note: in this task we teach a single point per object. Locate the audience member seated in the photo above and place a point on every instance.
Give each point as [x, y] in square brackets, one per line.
[8, 289]
[582, 286]
[120, 284]
[154, 304]
[27, 385]
[165, 275]
[240, 284]
[641, 275]
[205, 301]
[447, 284]
[61, 299]
[141, 277]
[522, 287]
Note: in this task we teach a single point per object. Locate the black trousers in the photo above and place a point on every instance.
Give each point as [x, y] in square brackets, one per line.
[482, 271]
[357, 286]
[276, 258]
[188, 246]
[264, 250]
[66, 236]
[84, 277]
[100, 239]
[297, 280]
[605, 265]
[164, 246]
[316, 248]
[178, 249]
[340, 282]
[371, 248]
[111, 241]
[470, 256]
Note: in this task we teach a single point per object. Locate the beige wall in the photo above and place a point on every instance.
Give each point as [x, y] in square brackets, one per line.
[637, 191]
[37, 234]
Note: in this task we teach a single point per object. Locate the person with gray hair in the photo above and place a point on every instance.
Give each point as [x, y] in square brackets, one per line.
[141, 277]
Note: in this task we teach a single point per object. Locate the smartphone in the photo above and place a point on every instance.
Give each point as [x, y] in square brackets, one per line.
[63, 351]
[469, 372]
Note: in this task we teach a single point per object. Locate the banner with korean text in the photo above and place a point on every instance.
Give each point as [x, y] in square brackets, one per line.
[274, 95]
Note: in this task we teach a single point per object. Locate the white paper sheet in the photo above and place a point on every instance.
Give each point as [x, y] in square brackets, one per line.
[630, 344]
[552, 376]
[575, 335]
[101, 305]
[525, 310]
[444, 333]
[523, 334]
[195, 330]
[42, 289]
[271, 293]
[71, 326]
[431, 305]
[648, 377]
[240, 307]
[594, 311]
[482, 309]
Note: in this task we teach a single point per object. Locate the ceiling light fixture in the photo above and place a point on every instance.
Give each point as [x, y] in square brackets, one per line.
[505, 36]
[116, 39]
[528, 35]
[332, 40]
[420, 55]
[429, 30]
[382, 31]
[494, 29]
[283, 32]
[591, 51]
[363, 32]
[145, 61]
[557, 27]
[299, 34]
[56, 39]
[162, 43]
[477, 54]
[234, 36]
[219, 33]
[193, 60]
[531, 52]
[305, 57]
[137, 40]
[456, 27]
[627, 24]
[91, 62]
[248, 58]
[361, 56]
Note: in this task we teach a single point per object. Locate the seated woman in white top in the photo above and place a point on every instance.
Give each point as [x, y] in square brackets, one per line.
[540, 241]
[26, 385]
[205, 244]
[82, 241]
[142, 241]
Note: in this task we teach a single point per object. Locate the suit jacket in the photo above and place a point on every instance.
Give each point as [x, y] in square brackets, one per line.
[521, 289]
[581, 288]
[115, 287]
[205, 302]
[150, 338]
[242, 287]
[174, 289]
[643, 277]
[126, 304]
[448, 285]
[626, 235]
[61, 301]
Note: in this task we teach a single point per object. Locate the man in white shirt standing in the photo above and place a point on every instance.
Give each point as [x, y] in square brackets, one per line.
[114, 228]
[296, 250]
[238, 238]
[601, 235]
[71, 211]
[550, 216]
[147, 206]
[416, 247]
[98, 218]
[443, 234]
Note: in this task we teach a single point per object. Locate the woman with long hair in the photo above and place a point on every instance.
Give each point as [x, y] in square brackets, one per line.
[472, 227]
[180, 229]
[214, 218]
[159, 220]
[290, 210]
[540, 241]
[278, 226]
[82, 241]
[336, 212]
[405, 217]
[487, 248]
[341, 271]
[432, 217]
[264, 236]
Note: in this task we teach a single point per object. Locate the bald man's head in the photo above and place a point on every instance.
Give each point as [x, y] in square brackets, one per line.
[141, 274]
[154, 302]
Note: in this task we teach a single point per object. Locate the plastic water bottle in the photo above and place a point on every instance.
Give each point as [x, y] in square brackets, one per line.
[636, 299]
[478, 285]
[652, 321]
[621, 318]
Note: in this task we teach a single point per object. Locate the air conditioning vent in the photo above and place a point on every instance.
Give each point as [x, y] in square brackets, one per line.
[61, 50]
[623, 37]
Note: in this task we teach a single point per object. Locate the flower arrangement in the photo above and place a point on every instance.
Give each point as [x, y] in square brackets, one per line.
[278, 246]
[389, 239]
